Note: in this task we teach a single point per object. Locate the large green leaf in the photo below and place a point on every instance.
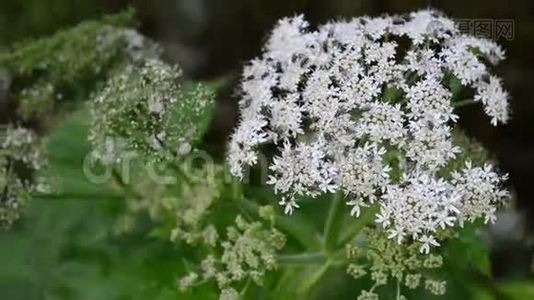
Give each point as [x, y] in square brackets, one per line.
[68, 149]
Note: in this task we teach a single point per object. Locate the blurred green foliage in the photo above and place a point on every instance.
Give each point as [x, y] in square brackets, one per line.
[21, 20]
[65, 247]
[67, 66]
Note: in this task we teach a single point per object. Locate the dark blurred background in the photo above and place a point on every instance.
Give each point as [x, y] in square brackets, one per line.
[211, 39]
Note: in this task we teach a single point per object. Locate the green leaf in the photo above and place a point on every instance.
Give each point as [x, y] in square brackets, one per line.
[474, 248]
[392, 94]
[455, 86]
[312, 279]
[67, 148]
[355, 225]
[513, 290]
[520, 290]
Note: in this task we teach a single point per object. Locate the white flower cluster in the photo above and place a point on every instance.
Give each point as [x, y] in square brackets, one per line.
[365, 107]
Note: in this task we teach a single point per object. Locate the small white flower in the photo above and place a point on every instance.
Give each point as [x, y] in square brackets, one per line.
[155, 106]
[289, 205]
[428, 241]
[495, 100]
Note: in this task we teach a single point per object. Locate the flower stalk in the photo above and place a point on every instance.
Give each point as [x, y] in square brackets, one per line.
[333, 223]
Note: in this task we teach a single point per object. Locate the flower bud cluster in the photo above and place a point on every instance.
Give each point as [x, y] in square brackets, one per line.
[386, 261]
[246, 251]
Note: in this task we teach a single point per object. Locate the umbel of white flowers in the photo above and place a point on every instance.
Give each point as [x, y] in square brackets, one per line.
[365, 107]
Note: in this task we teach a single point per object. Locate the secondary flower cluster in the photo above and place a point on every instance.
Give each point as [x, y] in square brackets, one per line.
[21, 157]
[230, 248]
[366, 107]
[247, 252]
[134, 112]
[144, 109]
[236, 252]
[391, 262]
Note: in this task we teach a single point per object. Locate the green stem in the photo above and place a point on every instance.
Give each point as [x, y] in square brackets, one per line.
[462, 103]
[237, 192]
[297, 226]
[319, 261]
[304, 258]
[245, 206]
[118, 178]
[311, 280]
[245, 288]
[365, 218]
[224, 80]
[398, 291]
[77, 196]
[175, 166]
[123, 186]
[180, 172]
[333, 223]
